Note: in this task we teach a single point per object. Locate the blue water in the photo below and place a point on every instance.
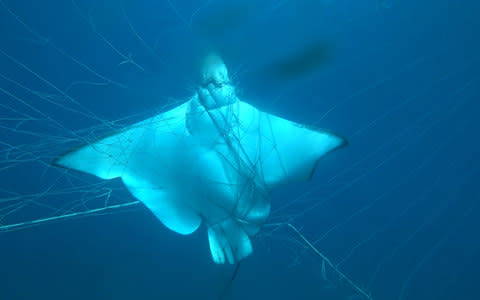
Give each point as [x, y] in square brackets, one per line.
[399, 79]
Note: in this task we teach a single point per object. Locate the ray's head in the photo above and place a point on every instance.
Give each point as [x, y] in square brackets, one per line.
[216, 89]
[214, 70]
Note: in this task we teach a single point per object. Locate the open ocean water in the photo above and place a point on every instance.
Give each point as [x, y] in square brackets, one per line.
[397, 210]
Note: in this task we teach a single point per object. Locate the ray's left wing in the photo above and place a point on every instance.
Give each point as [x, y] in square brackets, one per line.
[112, 156]
[144, 156]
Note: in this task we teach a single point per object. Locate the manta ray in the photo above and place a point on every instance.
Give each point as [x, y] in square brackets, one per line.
[214, 159]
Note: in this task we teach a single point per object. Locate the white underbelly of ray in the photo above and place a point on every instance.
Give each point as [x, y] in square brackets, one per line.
[212, 159]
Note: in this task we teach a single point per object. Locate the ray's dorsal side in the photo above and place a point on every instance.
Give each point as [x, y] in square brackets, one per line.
[213, 159]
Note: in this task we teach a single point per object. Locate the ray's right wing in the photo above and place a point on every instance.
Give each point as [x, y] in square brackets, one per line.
[285, 151]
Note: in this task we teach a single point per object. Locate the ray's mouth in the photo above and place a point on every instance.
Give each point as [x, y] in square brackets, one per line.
[216, 84]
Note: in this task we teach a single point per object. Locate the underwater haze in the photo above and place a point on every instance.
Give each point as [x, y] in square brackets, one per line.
[395, 214]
